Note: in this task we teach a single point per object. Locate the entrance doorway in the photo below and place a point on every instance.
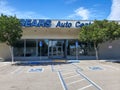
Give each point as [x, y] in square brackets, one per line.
[56, 49]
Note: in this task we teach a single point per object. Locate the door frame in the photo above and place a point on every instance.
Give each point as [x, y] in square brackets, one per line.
[52, 46]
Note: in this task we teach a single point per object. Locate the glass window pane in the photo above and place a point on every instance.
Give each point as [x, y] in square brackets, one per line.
[71, 48]
[30, 48]
[85, 49]
[19, 48]
[43, 50]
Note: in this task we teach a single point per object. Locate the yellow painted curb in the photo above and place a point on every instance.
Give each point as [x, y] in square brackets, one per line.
[59, 60]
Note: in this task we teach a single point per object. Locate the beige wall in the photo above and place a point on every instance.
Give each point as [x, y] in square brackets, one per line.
[110, 50]
[50, 33]
[4, 51]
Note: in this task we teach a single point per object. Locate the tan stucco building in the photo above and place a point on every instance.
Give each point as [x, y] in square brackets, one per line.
[56, 39]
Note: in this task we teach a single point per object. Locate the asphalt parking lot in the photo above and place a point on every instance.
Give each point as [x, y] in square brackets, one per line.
[85, 75]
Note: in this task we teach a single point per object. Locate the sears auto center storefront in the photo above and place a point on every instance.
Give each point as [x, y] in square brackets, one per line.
[54, 39]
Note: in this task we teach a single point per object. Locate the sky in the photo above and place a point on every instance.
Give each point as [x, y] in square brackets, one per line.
[62, 9]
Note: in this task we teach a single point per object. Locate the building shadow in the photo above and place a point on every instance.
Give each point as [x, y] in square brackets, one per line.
[39, 63]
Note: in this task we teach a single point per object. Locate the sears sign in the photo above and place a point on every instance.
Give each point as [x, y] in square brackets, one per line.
[35, 23]
[53, 23]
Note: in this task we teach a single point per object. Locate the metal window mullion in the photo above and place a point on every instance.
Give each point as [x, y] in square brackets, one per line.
[36, 47]
[24, 47]
[48, 48]
[52, 47]
[65, 48]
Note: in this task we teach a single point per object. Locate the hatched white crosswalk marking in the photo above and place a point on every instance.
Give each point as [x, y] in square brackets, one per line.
[76, 81]
[73, 79]
[85, 87]
[71, 76]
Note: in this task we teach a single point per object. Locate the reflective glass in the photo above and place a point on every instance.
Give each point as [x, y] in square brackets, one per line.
[19, 48]
[43, 47]
[30, 48]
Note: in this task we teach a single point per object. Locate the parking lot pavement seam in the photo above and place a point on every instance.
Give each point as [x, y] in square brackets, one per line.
[90, 81]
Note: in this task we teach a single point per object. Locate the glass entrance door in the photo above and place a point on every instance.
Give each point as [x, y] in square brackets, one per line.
[58, 51]
[56, 48]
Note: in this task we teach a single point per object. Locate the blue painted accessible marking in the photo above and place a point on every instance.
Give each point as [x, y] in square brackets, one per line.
[36, 70]
[40, 43]
[74, 61]
[95, 68]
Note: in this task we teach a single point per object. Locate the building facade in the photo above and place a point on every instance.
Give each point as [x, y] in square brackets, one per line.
[56, 39]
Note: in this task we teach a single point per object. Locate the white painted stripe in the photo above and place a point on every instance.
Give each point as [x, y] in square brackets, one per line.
[85, 87]
[68, 73]
[67, 69]
[3, 65]
[16, 70]
[68, 66]
[72, 76]
[75, 81]
[61, 81]
[93, 83]
[112, 67]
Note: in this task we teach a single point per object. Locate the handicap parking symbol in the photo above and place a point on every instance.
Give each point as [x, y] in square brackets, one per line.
[95, 68]
[36, 70]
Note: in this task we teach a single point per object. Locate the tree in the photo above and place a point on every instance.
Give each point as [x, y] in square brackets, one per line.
[99, 32]
[113, 31]
[10, 31]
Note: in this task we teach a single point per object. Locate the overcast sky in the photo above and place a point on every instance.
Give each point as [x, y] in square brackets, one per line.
[62, 9]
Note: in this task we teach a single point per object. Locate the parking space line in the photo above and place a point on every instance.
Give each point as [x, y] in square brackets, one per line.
[90, 81]
[77, 66]
[68, 73]
[85, 87]
[16, 70]
[75, 81]
[67, 69]
[52, 67]
[5, 69]
[4, 65]
[78, 70]
[55, 68]
[71, 76]
[62, 81]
